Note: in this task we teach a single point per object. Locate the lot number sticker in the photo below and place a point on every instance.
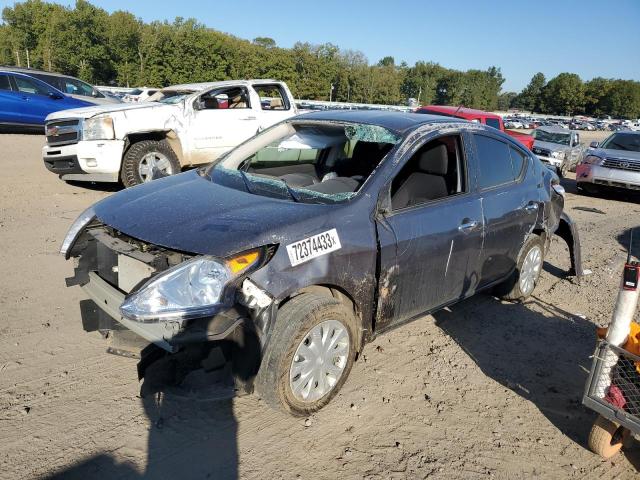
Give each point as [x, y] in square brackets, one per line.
[313, 247]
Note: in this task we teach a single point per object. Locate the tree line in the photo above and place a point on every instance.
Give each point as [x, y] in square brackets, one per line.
[120, 49]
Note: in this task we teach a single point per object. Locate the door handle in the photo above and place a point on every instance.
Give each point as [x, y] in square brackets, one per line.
[468, 225]
[248, 118]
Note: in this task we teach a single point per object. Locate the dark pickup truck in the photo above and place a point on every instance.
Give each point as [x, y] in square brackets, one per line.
[313, 237]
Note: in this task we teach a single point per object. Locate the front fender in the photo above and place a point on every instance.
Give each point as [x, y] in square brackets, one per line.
[568, 231]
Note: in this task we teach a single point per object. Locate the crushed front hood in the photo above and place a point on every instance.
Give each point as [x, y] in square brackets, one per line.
[189, 213]
[88, 112]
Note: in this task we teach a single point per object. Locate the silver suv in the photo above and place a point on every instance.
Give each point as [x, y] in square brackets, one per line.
[615, 163]
[558, 148]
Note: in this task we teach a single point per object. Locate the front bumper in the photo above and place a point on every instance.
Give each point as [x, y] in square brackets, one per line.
[555, 162]
[166, 335]
[608, 177]
[92, 161]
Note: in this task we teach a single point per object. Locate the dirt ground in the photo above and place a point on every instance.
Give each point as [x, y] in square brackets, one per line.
[487, 389]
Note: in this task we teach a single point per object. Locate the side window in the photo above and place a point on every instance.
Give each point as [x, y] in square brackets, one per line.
[26, 85]
[518, 161]
[272, 97]
[494, 162]
[435, 171]
[493, 122]
[4, 83]
[224, 98]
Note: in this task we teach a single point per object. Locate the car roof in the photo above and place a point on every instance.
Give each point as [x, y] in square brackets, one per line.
[399, 122]
[196, 87]
[28, 71]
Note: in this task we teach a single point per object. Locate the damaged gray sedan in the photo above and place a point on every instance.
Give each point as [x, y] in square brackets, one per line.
[307, 241]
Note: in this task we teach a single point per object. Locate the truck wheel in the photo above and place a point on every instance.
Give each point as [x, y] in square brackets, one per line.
[523, 280]
[309, 355]
[148, 160]
[605, 437]
[563, 169]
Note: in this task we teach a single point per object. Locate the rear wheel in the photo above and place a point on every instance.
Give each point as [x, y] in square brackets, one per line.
[606, 437]
[528, 267]
[148, 160]
[309, 356]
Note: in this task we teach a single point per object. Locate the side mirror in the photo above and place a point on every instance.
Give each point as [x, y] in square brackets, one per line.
[55, 96]
[198, 104]
[594, 144]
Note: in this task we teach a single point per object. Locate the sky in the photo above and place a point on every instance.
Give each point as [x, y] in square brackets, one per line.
[587, 37]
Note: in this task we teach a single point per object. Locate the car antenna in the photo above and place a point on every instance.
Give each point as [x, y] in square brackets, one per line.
[461, 106]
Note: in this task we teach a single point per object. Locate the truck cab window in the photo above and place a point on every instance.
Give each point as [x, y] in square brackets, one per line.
[271, 97]
[493, 122]
[224, 98]
[435, 171]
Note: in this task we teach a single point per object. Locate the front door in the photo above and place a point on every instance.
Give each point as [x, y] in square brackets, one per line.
[222, 119]
[430, 241]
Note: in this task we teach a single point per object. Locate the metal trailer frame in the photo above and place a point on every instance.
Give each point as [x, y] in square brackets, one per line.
[594, 399]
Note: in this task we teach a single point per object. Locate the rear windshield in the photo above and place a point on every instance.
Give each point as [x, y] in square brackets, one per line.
[311, 162]
[552, 137]
[623, 141]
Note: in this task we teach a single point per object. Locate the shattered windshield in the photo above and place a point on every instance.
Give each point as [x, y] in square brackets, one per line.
[552, 137]
[168, 96]
[311, 162]
[623, 141]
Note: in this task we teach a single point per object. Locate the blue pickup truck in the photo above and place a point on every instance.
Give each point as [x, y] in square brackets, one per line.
[26, 101]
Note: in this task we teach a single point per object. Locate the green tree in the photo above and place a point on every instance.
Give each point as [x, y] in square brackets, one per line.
[531, 96]
[564, 94]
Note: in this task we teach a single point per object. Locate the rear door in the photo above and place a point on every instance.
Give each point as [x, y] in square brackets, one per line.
[429, 251]
[510, 202]
[274, 103]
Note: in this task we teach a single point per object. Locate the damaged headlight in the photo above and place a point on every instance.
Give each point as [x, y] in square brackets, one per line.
[98, 128]
[75, 229]
[592, 160]
[191, 289]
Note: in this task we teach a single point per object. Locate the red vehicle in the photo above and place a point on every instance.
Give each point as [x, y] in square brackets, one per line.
[490, 119]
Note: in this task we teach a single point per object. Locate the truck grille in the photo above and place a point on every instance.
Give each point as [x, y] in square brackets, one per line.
[621, 164]
[63, 132]
[541, 151]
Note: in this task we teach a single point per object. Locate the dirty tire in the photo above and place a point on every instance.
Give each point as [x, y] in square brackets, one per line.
[563, 169]
[294, 322]
[510, 289]
[605, 438]
[130, 174]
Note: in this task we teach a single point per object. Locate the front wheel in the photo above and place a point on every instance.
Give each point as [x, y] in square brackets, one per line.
[309, 355]
[521, 283]
[148, 160]
[563, 169]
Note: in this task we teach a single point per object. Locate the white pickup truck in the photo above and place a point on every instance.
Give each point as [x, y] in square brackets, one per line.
[179, 127]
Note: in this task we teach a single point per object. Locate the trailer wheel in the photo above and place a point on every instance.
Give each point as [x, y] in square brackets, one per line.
[148, 160]
[606, 437]
[309, 355]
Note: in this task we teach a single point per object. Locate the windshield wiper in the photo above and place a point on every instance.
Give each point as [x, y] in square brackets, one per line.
[246, 181]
